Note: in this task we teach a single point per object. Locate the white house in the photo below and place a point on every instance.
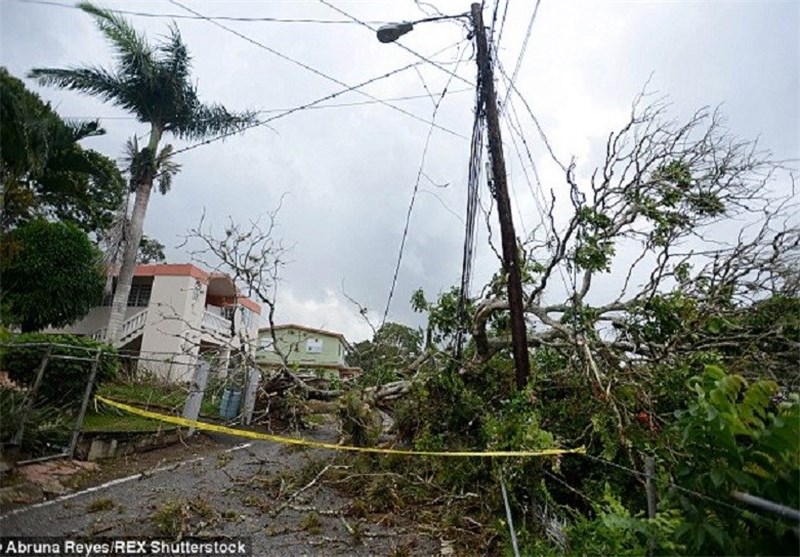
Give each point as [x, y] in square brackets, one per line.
[175, 313]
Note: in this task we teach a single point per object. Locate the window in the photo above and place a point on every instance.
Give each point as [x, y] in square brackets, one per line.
[314, 346]
[139, 295]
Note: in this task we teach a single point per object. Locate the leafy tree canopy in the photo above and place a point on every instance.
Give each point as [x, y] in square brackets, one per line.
[45, 172]
[151, 251]
[51, 275]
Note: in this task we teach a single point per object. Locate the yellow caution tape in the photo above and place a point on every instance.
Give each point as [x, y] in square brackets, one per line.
[320, 445]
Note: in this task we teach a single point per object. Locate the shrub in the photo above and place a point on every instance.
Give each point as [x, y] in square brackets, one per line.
[52, 275]
[45, 427]
[64, 380]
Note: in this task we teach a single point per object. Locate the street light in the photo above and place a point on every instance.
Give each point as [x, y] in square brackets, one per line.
[392, 31]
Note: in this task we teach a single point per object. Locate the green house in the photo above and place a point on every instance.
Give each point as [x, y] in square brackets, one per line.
[304, 348]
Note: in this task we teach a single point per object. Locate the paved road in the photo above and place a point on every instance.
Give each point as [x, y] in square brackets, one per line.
[229, 493]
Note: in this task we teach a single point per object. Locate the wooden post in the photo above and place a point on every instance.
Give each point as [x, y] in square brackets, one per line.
[649, 472]
[508, 237]
[31, 399]
[84, 404]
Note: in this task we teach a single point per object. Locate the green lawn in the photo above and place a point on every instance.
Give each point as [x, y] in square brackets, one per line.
[160, 397]
[110, 420]
[156, 394]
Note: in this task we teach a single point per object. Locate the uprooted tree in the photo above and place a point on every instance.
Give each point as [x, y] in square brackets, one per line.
[664, 321]
[677, 257]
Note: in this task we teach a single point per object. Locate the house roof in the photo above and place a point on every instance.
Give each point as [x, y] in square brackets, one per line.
[340, 336]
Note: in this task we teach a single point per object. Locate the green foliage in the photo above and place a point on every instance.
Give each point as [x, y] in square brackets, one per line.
[151, 251]
[615, 531]
[361, 425]
[443, 318]
[64, 380]
[46, 426]
[51, 273]
[595, 241]
[45, 172]
[734, 437]
[383, 359]
[151, 81]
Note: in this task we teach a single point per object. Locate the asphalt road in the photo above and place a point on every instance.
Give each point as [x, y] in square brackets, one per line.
[233, 492]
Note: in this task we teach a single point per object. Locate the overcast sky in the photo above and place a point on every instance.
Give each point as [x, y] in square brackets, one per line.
[348, 172]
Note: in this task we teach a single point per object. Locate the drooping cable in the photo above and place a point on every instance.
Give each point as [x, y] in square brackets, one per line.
[420, 174]
[473, 189]
[306, 66]
[521, 54]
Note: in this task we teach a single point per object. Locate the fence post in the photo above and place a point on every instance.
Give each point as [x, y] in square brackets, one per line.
[250, 392]
[197, 388]
[650, 489]
[649, 472]
[84, 404]
[29, 402]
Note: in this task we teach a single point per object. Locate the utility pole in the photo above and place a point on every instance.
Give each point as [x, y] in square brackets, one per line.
[508, 237]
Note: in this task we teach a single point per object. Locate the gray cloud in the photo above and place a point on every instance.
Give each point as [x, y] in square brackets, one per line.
[348, 173]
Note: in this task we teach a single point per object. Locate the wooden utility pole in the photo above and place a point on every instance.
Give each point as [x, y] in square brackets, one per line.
[508, 237]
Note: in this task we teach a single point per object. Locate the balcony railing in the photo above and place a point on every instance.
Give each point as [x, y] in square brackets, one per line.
[216, 323]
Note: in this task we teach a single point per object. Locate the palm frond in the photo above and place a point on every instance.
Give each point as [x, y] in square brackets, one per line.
[81, 129]
[167, 168]
[133, 52]
[205, 120]
[113, 240]
[174, 57]
[95, 81]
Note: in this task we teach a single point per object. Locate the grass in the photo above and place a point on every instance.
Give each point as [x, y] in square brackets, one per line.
[154, 393]
[171, 519]
[160, 397]
[109, 420]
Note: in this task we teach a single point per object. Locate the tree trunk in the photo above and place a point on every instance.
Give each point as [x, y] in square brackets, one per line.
[132, 239]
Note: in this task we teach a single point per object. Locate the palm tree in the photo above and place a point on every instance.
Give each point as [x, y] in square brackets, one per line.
[153, 83]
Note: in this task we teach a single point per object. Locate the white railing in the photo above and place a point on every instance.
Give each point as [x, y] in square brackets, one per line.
[216, 323]
[130, 328]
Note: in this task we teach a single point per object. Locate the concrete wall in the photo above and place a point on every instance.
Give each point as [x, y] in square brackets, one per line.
[173, 328]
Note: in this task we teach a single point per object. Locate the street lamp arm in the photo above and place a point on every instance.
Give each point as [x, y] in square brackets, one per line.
[392, 31]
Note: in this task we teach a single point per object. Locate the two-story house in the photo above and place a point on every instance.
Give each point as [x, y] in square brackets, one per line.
[175, 313]
[304, 348]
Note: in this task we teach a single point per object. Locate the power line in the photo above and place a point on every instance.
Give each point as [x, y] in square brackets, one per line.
[306, 66]
[198, 17]
[278, 110]
[298, 108]
[420, 173]
[473, 190]
[502, 23]
[539, 128]
[521, 52]
[404, 47]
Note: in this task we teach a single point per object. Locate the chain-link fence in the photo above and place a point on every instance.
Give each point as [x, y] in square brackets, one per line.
[47, 393]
